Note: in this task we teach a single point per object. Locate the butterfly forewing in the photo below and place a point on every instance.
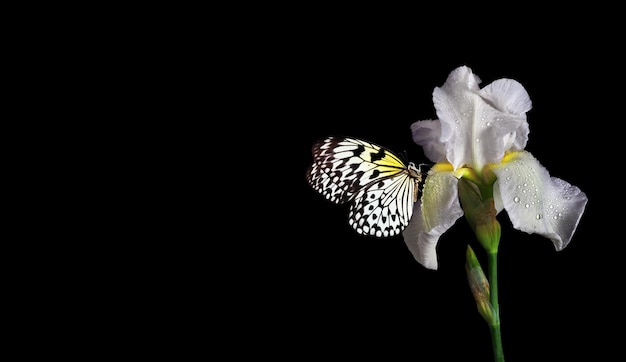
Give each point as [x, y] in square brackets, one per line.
[327, 184]
[376, 181]
[351, 164]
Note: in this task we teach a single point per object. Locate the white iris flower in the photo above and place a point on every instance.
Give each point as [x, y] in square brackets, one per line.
[481, 133]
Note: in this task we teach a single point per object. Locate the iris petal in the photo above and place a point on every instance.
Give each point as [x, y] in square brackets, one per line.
[427, 134]
[435, 214]
[479, 125]
[537, 203]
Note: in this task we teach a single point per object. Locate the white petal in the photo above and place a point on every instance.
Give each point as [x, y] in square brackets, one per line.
[463, 78]
[537, 203]
[454, 102]
[516, 141]
[493, 133]
[478, 127]
[507, 95]
[427, 134]
[437, 211]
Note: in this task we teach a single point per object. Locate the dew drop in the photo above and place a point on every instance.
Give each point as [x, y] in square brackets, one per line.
[488, 124]
[539, 216]
[516, 199]
[527, 206]
[477, 140]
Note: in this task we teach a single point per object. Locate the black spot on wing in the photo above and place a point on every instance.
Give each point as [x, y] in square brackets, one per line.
[359, 150]
[378, 155]
[351, 173]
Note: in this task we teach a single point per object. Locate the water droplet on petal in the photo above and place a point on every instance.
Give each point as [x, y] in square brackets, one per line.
[516, 199]
[539, 216]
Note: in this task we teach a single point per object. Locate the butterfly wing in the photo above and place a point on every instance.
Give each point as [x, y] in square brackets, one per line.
[374, 179]
[383, 208]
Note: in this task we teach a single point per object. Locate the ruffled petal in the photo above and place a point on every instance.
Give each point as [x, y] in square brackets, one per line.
[516, 141]
[477, 126]
[427, 134]
[509, 97]
[537, 203]
[454, 102]
[437, 211]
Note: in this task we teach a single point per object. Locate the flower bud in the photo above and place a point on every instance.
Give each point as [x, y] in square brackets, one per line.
[479, 286]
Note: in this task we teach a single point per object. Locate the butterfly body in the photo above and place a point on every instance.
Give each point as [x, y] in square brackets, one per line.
[380, 187]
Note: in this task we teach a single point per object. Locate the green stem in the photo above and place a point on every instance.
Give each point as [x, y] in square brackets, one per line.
[496, 338]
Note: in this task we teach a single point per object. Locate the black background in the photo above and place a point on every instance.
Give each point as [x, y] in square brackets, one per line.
[196, 232]
[336, 293]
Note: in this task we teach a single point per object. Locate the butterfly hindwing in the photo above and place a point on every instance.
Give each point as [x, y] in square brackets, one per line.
[380, 186]
[385, 208]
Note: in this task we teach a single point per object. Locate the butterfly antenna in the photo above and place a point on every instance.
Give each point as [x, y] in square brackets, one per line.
[405, 156]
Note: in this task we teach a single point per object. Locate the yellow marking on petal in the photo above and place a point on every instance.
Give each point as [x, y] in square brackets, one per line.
[469, 174]
[442, 167]
[458, 173]
[508, 157]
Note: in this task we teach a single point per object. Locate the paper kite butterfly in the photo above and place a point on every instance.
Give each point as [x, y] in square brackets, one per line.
[381, 188]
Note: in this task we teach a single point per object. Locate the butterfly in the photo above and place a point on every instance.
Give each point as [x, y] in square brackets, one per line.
[379, 186]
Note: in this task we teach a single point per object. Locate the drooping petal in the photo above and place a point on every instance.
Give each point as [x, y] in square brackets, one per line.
[437, 211]
[427, 134]
[537, 203]
[474, 131]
